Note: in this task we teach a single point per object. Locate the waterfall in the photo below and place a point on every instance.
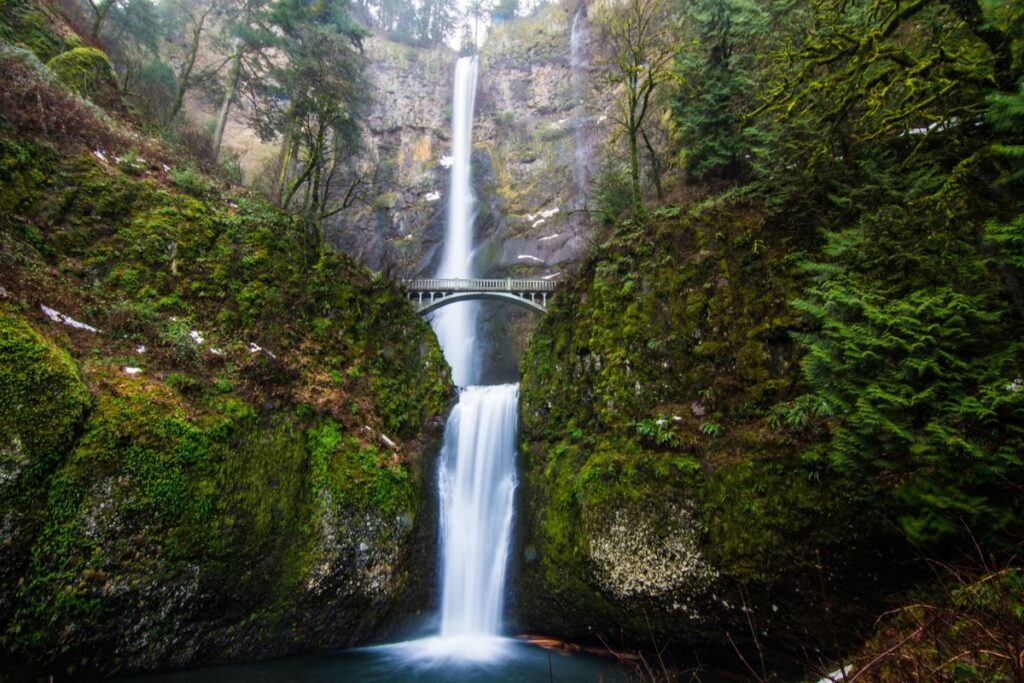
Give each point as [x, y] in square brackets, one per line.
[455, 325]
[476, 476]
[477, 481]
[579, 37]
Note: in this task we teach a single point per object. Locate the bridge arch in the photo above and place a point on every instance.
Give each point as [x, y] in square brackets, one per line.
[430, 294]
[441, 301]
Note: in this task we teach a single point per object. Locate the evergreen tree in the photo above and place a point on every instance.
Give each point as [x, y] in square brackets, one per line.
[714, 88]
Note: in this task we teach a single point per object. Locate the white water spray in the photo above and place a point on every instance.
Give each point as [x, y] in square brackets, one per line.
[477, 482]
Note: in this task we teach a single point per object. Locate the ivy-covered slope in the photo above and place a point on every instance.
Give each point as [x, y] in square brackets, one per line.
[213, 436]
[667, 502]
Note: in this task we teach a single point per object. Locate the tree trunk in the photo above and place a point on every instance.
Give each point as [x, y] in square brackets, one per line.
[655, 166]
[634, 174]
[101, 14]
[186, 71]
[225, 106]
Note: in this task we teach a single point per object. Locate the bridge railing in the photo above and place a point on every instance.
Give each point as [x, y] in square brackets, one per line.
[478, 285]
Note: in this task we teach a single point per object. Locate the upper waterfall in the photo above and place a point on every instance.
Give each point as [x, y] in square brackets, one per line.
[456, 325]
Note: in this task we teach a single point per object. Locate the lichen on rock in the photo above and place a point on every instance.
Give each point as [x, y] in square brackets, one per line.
[633, 559]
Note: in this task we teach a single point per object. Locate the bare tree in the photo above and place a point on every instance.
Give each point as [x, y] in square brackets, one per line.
[638, 52]
[194, 15]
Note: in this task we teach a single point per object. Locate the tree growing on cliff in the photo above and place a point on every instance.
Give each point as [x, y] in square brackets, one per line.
[186, 22]
[638, 51]
[313, 101]
[715, 83]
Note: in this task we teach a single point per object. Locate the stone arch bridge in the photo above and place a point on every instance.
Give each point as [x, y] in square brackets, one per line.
[430, 294]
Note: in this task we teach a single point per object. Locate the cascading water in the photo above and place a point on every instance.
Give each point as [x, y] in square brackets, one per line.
[476, 479]
[477, 482]
[455, 325]
[579, 60]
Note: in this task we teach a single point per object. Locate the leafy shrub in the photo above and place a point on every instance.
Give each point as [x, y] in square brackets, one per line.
[191, 181]
[613, 193]
[154, 89]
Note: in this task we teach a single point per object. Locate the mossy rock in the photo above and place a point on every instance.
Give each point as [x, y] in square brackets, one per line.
[662, 502]
[42, 404]
[29, 23]
[88, 72]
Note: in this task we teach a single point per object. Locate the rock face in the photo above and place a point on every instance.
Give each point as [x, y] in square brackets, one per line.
[405, 140]
[663, 504]
[528, 109]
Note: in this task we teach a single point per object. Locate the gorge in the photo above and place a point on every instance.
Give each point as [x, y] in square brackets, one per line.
[764, 425]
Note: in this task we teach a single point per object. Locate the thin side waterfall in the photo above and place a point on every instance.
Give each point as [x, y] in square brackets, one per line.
[579, 60]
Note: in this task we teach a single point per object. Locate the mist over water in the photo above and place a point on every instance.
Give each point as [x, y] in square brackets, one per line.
[579, 59]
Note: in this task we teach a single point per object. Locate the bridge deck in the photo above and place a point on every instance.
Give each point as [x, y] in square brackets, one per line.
[478, 285]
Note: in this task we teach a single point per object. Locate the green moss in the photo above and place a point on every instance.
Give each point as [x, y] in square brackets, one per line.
[88, 72]
[216, 492]
[28, 23]
[42, 404]
[645, 389]
[350, 474]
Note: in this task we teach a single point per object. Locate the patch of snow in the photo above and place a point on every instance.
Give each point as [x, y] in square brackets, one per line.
[447, 161]
[196, 336]
[938, 126]
[432, 196]
[256, 348]
[141, 348]
[59, 317]
[167, 169]
[132, 371]
[99, 155]
[549, 237]
[388, 442]
[539, 222]
[839, 675]
[529, 258]
[215, 351]
[542, 214]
